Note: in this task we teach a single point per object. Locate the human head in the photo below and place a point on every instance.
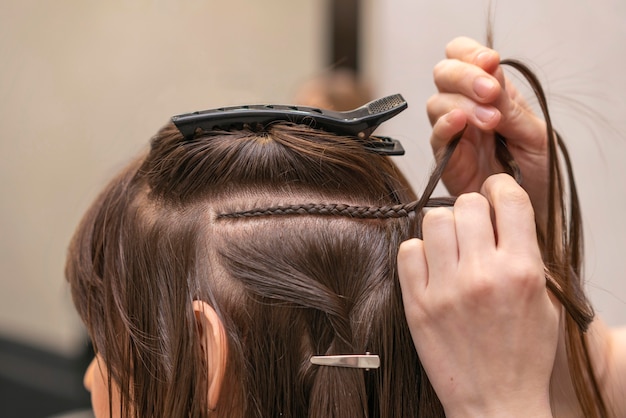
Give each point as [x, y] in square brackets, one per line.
[284, 287]
[280, 241]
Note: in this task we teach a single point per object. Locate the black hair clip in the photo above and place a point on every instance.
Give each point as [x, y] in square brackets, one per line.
[360, 122]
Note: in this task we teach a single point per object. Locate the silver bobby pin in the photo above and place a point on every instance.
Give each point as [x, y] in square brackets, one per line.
[356, 361]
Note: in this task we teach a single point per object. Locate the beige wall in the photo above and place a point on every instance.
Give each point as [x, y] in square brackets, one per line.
[578, 49]
[83, 86]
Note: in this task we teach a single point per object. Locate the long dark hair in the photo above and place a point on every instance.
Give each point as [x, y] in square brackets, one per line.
[562, 247]
[291, 235]
[561, 243]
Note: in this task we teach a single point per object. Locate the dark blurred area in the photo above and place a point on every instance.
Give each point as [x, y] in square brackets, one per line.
[35, 383]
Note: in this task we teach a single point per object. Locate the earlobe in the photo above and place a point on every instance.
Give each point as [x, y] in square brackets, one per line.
[214, 346]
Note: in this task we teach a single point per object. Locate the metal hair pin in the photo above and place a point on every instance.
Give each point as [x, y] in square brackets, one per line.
[356, 361]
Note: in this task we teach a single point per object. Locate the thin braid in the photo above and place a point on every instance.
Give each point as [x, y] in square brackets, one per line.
[332, 209]
[339, 209]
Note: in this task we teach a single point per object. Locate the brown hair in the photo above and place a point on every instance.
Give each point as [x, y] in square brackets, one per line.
[286, 288]
[312, 271]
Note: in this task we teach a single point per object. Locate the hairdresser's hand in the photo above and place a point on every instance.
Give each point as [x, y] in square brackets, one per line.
[474, 291]
[472, 89]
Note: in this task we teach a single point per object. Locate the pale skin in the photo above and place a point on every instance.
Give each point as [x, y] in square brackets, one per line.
[467, 320]
[96, 383]
[473, 90]
[486, 329]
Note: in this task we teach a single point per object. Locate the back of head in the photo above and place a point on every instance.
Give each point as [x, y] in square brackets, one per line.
[261, 225]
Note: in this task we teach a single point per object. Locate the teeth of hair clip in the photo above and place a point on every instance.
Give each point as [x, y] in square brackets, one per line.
[356, 361]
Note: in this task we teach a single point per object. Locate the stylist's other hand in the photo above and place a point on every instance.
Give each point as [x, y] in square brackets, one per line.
[475, 298]
[473, 90]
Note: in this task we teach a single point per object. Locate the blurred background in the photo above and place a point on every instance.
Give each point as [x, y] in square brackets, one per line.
[85, 84]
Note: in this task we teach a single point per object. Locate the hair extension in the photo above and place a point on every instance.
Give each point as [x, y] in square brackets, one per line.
[562, 246]
[563, 255]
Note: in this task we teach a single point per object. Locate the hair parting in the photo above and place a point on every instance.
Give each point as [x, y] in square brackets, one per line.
[366, 212]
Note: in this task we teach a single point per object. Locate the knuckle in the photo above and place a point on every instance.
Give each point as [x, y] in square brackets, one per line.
[450, 46]
[515, 193]
[515, 113]
[471, 200]
[483, 291]
[408, 249]
[495, 181]
[455, 43]
[527, 275]
[520, 280]
[460, 102]
[480, 290]
[439, 305]
[505, 188]
[515, 196]
[430, 307]
[432, 104]
[438, 69]
[416, 316]
[466, 73]
[409, 245]
[437, 217]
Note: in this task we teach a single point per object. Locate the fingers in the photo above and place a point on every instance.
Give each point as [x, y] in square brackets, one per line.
[470, 51]
[514, 215]
[474, 228]
[471, 79]
[485, 117]
[446, 127]
[440, 244]
[461, 245]
[412, 267]
[455, 76]
[465, 81]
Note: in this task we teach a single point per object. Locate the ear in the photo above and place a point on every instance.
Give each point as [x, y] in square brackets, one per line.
[214, 346]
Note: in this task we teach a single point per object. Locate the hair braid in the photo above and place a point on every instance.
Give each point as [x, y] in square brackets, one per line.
[340, 209]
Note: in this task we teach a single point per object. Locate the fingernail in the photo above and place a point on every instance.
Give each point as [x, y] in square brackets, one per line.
[485, 114]
[483, 86]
